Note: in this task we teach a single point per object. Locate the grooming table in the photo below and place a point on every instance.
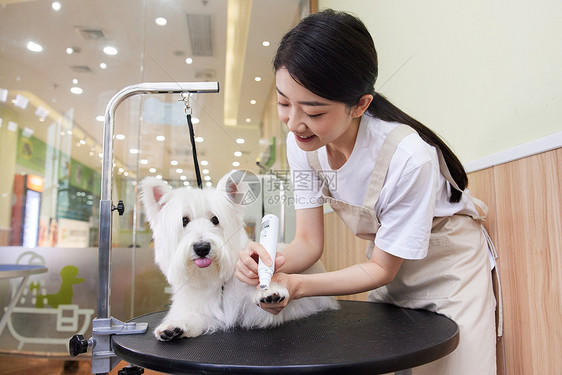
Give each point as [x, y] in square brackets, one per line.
[360, 338]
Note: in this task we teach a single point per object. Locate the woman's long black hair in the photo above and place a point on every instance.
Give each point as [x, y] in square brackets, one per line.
[333, 55]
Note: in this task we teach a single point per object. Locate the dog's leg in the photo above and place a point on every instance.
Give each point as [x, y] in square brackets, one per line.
[175, 327]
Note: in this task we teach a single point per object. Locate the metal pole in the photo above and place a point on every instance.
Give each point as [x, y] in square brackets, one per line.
[107, 167]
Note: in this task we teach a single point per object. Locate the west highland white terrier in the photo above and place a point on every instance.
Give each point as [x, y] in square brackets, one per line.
[198, 234]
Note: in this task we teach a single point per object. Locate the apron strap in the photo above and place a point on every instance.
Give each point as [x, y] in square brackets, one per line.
[376, 181]
[314, 163]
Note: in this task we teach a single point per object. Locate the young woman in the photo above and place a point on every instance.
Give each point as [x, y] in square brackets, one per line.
[390, 179]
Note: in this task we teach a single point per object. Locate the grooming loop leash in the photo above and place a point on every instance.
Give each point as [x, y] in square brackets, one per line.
[185, 96]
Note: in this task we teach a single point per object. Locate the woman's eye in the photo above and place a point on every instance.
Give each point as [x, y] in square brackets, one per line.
[314, 116]
[215, 220]
[185, 221]
[282, 104]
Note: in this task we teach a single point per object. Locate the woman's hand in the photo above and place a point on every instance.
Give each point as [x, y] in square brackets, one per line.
[247, 264]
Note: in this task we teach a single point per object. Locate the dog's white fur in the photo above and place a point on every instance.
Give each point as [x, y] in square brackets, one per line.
[210, 298]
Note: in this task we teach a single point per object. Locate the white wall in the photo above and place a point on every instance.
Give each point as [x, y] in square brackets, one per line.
[485, 75]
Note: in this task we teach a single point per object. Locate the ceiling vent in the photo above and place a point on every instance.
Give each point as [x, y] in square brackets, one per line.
[81, 69]
[204, 74]
[90, 34]
[200, 29]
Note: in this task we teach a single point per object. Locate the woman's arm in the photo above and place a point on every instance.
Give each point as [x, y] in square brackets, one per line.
[362, 277]
[299, 255]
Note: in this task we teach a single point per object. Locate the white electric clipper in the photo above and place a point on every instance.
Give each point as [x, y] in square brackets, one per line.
[268, 238]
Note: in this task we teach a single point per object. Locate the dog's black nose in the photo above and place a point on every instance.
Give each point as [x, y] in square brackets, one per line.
[202, 248]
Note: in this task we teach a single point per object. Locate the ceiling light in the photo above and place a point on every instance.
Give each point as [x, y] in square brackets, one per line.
[75, 81]
[207, 178]
[236, 164]
[34, 47]
[237, 154]
[204, 162]
[120, 137]
[110, 50]
[82, 141]
[133, 151]
[41, 112]
[240, 141]
[100, 155]
[189, 61]
[160, 138]
[199, 139]
[186, 183]
[103, 65]
[69, 51]
[179, 170]
[257, 79]
[121, 170]
[174, 162]
[265, 43]
[248, 120]
[209, 184]
[152, 170]
[161, 21]
[100, 118]
[183, 178]
[3, 95]
[126, 174]
[76, 90]
[92, 153]
[253, 101]
[144, 161]
[195, 120]
[12, 126]
[20, 101]
[205, 171]
[159, 176]
[56, 6]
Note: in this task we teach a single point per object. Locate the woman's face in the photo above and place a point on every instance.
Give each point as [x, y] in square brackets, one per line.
[315, 121]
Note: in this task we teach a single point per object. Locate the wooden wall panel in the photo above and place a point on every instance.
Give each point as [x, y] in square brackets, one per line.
[342, 249]
[530, 240]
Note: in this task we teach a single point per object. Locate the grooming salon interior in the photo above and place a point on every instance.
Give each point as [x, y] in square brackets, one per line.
[485, 76]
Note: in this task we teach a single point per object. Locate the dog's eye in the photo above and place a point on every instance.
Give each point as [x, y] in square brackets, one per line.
[215, 220]
[185, 221]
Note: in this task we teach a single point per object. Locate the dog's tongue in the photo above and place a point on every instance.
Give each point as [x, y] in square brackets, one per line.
[203, 262]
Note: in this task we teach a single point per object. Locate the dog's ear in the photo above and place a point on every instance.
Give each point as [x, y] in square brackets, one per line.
[152, 191]
[240, 187]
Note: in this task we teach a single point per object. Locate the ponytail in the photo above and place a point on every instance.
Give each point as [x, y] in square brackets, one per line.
[383, 109]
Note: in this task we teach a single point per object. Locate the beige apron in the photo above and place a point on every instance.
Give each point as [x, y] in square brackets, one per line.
[454, 278]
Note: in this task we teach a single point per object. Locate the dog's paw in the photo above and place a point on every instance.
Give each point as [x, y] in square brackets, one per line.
[274, 294]
[175, 330]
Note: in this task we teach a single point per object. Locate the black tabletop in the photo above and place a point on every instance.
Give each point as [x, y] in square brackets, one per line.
[360, 338]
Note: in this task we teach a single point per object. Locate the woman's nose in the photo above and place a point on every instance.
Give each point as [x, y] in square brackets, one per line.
[296, 125]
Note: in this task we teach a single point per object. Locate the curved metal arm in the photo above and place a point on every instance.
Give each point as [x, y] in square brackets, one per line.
[107, 167]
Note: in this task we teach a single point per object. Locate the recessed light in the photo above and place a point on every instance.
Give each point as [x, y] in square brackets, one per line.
[120, 137]
[237, 154]
[82, 141]
[174, 162]
[257, 79]
[103, 65]
[208, 184]
[133, 151]
[183, 178]
[76, 90]
[121, 170]
[56, 6]
[199, 139]
[100, 118]
[253, 101]
[161, 21]
[207, 178]
[204, 162]
[248, 120]
[240, 141]
[152, 170]
[179, 170]
[236, 164]
[75, 81]
[144, 161]
[110, 50]
[205, 171]
[265, 43]
[34, 47]
[189, 61]
[69, 51]
[160, 138]
[186, 183]
[126, 174]
[195, 120]
[159, 176]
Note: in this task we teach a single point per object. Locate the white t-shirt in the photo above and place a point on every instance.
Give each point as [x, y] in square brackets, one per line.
[413, 193]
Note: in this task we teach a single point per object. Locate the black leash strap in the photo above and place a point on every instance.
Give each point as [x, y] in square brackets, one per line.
[185, 99]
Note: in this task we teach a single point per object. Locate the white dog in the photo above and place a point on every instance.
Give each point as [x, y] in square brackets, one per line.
[198, 234]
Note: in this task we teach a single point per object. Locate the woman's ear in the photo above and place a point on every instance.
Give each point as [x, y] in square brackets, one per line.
[362, 105]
